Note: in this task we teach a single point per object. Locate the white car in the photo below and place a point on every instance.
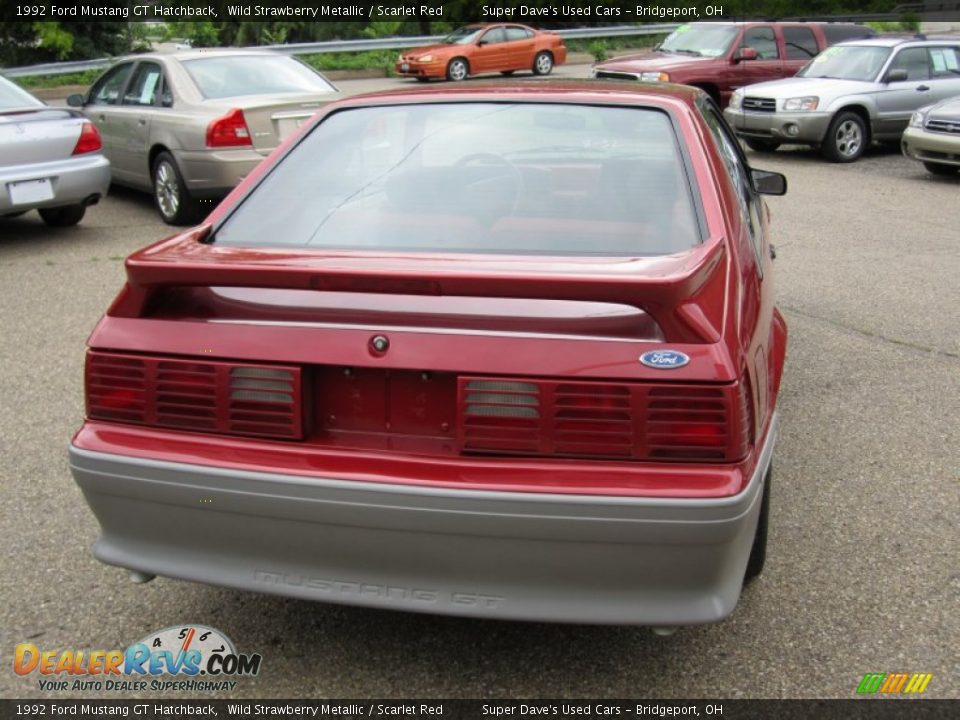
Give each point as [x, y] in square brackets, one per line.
[51, 159]
[849, 95]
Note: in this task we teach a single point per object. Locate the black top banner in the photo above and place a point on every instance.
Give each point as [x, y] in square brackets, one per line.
[459, 11]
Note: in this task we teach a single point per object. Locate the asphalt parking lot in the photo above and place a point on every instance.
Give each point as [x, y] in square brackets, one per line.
[863, 573]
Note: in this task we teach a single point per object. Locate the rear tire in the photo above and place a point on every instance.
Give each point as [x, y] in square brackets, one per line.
[758, 552]
[64, 216]
[170, 195]
[542, 63]
[938, 169]
[761, 144]
[846, 138]
[457, 70]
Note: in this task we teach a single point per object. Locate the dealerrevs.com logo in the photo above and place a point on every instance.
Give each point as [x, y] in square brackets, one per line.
[183, 657]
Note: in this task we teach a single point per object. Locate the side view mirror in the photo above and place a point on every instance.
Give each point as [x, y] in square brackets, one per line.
[75, 100]
[745, 53]
[898, 75]
[769, 183]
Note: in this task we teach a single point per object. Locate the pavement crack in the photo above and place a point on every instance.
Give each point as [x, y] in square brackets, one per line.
[874, 336]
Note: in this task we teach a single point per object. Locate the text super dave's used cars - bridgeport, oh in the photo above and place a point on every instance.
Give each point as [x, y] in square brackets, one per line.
[507, 351]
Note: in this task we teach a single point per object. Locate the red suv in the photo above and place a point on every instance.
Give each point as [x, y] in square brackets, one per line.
[720, 57]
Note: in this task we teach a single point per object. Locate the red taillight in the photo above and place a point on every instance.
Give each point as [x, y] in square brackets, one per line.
[219, 397]
[229, 131]
[89, 140]
[602, 420]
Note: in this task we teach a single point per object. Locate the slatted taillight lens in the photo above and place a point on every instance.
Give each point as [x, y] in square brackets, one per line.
[637, 421]
[116, 388]
[687, 423]
[219, 397]
[501, 415]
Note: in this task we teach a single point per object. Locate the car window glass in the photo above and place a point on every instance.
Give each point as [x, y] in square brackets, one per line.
[915, 61]
[800, 43]
[494, 36]
[839, 33]
[521, 178]
[166, 96]
[107, 89]
[240, 75]
[144, 85]
[847, 62]
[946, 62]
[12, 97]
[738, 171]
[516, 33]
[763, 41]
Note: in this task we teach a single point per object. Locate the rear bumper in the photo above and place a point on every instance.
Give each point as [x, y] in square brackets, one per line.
[426, 70]
[924, 146]
[80, 179]
[520, 556]
[805, 127]
[214, 173]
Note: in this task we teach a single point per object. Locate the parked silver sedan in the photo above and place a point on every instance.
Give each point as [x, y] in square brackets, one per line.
[933, 137]
[50, 159]
[189, 126]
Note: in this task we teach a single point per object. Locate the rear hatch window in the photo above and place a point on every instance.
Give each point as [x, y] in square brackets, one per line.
[512, 178]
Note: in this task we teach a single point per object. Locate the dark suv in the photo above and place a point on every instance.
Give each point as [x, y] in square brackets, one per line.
[720, 57]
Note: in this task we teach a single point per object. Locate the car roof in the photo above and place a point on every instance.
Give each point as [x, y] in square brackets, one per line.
[204, 52]
[897, 41]
[576, 91]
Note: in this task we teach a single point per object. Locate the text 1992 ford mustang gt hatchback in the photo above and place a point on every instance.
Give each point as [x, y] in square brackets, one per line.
[507, 351]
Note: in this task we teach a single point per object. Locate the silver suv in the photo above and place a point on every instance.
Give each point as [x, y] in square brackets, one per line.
[848, 95]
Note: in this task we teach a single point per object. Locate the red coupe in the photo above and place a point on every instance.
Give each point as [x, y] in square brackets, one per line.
[507, 351]
[477, 49]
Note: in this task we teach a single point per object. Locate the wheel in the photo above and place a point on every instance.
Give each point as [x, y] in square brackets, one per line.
[543, 63]
[938, 169]
[758, 552]
[62, 216]
[458, 70]
[762, 144]
[506, 73]
[846, 138]
[174, 202]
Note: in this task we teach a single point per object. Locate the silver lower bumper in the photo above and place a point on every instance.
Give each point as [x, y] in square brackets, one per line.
[73, 180]
[521, 556]
[803, 128]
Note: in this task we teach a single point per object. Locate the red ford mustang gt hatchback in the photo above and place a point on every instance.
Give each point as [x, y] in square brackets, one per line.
[506, 351]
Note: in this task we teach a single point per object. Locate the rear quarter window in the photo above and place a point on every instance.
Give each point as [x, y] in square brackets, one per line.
[839, 33]
[518, 178]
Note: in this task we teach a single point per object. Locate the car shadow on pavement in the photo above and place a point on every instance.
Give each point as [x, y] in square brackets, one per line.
[380, 652]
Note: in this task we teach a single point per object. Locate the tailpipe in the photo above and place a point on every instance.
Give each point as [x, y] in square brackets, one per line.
[140, 577]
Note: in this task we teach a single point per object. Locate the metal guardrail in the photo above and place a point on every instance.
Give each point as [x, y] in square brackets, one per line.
[392, 43]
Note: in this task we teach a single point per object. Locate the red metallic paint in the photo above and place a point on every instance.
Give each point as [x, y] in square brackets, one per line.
[710, 302]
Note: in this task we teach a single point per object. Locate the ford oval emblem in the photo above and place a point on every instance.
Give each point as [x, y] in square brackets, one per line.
[664, 359]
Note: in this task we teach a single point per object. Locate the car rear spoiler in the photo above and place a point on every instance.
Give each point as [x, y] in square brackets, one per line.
[684, 293]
